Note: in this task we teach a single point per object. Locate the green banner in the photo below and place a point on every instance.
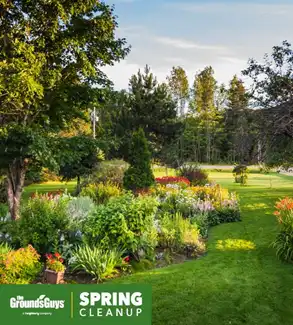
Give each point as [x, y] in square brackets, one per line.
[76, 304]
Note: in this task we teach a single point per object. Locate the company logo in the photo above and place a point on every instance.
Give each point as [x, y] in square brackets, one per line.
[42, 302]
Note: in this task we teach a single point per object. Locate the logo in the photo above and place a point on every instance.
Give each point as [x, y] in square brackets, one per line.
[41, 302]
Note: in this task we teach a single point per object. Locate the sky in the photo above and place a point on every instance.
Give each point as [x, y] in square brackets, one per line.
[194, 34]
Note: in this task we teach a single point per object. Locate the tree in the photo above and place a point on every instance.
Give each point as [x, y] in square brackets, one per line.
[237, 117]
[79, 155]
[51, 55]
[139, 175]
[147, 105]
[272, 94]
[204, 89]
[178, 83]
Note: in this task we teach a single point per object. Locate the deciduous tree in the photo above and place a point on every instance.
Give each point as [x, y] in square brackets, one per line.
[51, 54]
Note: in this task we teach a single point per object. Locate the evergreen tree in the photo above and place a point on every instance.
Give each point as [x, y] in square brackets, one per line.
[139, 175]
[147, 105]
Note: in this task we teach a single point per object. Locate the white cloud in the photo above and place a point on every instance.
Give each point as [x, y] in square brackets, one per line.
[224, 71]
[241, 7]
[186, 44]
[121, 72]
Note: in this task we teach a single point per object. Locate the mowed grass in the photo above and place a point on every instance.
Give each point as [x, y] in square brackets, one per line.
[240, 280]
[47, 187]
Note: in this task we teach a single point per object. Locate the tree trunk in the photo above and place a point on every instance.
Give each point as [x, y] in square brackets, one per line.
[78, 186]
[15, 181]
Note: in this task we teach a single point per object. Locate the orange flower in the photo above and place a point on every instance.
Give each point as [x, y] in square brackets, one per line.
[277, 213]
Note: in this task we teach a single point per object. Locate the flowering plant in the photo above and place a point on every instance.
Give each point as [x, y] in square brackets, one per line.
[173, 179]
[55, 262]
[284, 240]
[49, 195]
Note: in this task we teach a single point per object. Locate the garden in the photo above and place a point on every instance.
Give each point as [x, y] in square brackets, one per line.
[108, 231]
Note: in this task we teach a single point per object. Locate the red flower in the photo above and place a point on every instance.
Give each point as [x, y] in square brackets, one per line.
[61, 260]
[172, 179]
[127, 259]
[57, 254]
[49, 256]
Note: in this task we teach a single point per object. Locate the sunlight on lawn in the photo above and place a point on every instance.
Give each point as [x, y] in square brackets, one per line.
[235, 244]
[256, 206]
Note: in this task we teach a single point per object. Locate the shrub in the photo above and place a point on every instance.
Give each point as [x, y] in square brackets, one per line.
[194, 174]
[240, 174]
[19, 267]
[284, 240]
[101, 193]
[79, 208]
[139, 175]
[125, 222]
[108, 171]
[202, 221]
[98, 262]
[43, 223]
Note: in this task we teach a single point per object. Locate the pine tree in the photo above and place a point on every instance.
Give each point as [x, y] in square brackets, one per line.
[139, 175]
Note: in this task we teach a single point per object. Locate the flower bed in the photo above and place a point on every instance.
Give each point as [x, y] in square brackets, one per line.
[124, 232]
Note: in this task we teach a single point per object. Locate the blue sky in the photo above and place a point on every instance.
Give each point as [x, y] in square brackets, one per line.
[197, 33]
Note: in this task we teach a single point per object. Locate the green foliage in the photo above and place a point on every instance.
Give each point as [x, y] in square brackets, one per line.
[284, 240]
[42, 224]
[108, 171]
[139, 175]
[194, 174]
[78, 156]
[142, 265]
[48, 65]
[203, 221]
[101, 193]
[176, 233]
[147, 105]
[240, 174]
[97, 262]
[4, 249]
[20, 266]
[178, 83]
[79, 208]
[125, 222]
[284, 245]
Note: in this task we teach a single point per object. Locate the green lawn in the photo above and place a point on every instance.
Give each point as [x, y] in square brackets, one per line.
[240, 281]
[47, 187]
